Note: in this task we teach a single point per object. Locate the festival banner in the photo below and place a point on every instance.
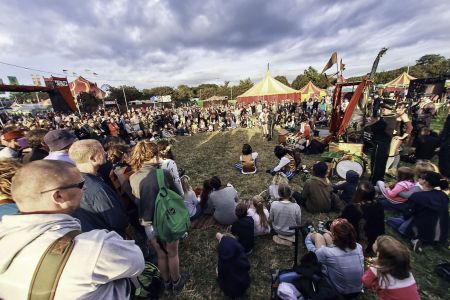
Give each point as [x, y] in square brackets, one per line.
[36, 80]
[13, 80]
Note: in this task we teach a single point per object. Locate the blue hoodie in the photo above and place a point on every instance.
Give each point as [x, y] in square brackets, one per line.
[233, 267]
[348, 188]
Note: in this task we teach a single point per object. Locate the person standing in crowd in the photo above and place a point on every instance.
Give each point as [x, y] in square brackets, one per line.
[100, 206]
[342, 256]
[167, 162]
[380, 152]
[108, 261]
[35, 141]
[8, 168]
[144, 184]
[444, 150]
[390, 275]
[9, 139]
[59, 142]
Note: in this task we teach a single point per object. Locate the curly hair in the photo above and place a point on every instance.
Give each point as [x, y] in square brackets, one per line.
[8, 168]
[35, 138]
[143, 152]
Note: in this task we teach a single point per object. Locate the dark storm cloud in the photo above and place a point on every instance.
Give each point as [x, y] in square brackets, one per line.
[170, 38]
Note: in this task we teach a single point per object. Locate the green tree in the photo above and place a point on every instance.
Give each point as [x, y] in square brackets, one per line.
[21, 97]
[88, 102]
[282, 79]
[131, 92]
[300, 81]
[184, 92]
[243, 86]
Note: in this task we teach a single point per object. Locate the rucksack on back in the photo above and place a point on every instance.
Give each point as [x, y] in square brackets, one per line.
[171, 218]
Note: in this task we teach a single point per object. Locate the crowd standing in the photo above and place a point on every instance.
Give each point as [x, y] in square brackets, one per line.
[100, 175]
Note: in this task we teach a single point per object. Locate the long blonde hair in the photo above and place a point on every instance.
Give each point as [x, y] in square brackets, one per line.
[185, 184]
[8, 168]
[144, 151]
[280, 178]
[258, 203]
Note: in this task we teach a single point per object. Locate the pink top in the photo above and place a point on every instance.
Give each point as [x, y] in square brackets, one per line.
[395, 289]
[391, 194]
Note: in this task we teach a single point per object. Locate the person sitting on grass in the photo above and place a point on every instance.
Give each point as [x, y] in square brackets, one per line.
[243, 228]
[286, 164]
[260, 216]
[283, 214]
[278, 179]
[233, 267]
[341, 255]
[348, 187]
[390, 275]
[421, 167]
[221, 201]
[317, 194]
[405, 181]
[247, 160]
[365, 214]
[428, 218]
[190, 199]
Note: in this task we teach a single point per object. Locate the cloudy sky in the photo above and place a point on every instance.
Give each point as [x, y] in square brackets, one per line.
[152, 43]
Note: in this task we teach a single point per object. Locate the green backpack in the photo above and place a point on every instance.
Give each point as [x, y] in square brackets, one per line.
[171, 218]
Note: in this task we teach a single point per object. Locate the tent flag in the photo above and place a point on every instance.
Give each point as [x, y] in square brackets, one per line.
[331, 62]
[13, 80]
[342, 66]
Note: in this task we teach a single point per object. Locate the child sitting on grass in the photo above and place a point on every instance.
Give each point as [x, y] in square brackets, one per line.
[390, 275]
[243, 228]
[247, 164]
[405, 181]
[260, 215]
[233, 266]
[190, 199]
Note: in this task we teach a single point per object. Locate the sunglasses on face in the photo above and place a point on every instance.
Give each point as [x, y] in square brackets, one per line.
[79, 185]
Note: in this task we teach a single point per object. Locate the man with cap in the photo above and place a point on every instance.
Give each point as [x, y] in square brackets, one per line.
[59, 142]
[9, 139]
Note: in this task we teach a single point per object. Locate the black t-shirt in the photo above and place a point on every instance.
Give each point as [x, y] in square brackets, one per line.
[425, 146]
[243, 229]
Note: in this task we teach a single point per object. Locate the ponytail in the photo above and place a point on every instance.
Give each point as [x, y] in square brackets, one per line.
[207, 189]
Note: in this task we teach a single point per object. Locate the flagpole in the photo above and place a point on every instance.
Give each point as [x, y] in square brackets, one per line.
[125, 98]
[337, 68]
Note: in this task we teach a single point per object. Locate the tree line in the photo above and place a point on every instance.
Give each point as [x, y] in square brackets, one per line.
[430, 65]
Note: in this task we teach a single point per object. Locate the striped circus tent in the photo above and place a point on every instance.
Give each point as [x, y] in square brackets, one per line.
[270, 90]
[401, 81]
[310, 90]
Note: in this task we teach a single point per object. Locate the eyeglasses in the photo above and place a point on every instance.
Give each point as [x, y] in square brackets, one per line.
[79, 185]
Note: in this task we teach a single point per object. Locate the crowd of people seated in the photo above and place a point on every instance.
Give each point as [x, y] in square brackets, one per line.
[105, 185]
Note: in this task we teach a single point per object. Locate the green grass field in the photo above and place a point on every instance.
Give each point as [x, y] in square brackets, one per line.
[208, 154]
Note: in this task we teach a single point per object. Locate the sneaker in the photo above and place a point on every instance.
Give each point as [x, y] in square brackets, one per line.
[417, 246]
[179, 285]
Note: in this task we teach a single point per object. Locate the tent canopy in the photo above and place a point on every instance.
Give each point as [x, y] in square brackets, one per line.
[310, 90]
[268, 89]
[402, 81]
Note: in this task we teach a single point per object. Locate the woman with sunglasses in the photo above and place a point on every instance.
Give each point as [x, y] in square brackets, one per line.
[338, 251]
[428, 219]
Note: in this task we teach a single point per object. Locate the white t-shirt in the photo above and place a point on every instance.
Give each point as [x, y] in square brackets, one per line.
[259, 230]
[190, 201]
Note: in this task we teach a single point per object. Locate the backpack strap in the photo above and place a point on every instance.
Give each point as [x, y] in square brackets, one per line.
[160, 178]
[50, 267]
